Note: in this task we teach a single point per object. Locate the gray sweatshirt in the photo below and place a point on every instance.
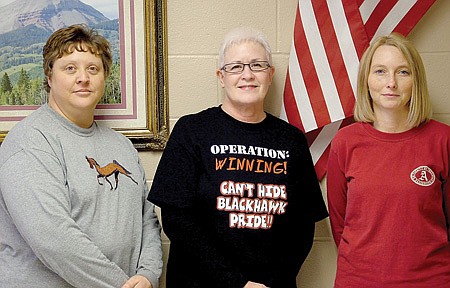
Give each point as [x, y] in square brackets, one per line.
[73, 208]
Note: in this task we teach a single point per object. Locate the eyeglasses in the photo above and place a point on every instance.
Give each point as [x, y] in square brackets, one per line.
[236, 68]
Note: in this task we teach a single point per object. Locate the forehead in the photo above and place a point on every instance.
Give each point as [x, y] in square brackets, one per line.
[80, 56]
[388, 54]
[246, 50]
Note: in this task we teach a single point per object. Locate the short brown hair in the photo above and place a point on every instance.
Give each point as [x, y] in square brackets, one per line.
[75, 37]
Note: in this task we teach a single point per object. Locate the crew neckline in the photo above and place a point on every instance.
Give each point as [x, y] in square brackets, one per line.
[386, 136]
[68, 124]
[244, 125]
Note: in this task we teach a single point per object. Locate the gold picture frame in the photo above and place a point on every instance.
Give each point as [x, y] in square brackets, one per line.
[157, 132]
[154, 133]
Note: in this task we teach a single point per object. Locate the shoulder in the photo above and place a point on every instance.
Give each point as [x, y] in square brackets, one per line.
[439, 127]
[436, 132]
[283, 134]
[281, 122]
[189, 129]
[349, 131]
[29, 130]
[198, 122]
[283, 126]
[29, 133]
[109, 134]
[348, 135]
[199, 117]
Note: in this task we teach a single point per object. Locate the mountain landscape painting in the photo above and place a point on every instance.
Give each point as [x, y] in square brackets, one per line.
[25, 27]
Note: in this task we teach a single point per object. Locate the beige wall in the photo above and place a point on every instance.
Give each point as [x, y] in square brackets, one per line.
[195, 30]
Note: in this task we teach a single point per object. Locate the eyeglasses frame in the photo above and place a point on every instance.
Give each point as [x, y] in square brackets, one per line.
[246, 64]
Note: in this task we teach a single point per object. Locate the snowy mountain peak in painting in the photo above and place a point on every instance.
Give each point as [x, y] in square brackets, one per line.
[47, 14]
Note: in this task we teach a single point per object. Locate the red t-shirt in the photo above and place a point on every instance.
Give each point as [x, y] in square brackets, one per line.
[388, 195]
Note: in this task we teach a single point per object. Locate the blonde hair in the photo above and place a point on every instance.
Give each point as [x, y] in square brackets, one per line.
[420, 104]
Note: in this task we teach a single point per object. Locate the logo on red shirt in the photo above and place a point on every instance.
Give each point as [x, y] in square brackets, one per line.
[423, 176]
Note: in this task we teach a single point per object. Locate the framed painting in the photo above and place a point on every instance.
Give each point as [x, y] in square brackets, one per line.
[137, 100]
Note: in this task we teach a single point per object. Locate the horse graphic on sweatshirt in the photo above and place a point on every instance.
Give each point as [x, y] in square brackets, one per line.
[108, 170]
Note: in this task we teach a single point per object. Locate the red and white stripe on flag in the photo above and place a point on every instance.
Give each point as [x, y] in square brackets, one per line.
[330, 37]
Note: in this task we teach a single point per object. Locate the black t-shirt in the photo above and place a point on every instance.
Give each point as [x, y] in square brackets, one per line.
[238, 201]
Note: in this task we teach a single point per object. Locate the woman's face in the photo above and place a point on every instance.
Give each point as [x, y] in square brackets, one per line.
[248, 88]
[390, 81]
[77, 85]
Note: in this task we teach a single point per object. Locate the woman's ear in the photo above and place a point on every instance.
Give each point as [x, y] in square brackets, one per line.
[49, 81]
[219, 75]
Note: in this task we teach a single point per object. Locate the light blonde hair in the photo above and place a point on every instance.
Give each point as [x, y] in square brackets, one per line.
[420, 104]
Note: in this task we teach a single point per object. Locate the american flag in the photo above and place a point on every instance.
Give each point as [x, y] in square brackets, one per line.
[330, 37]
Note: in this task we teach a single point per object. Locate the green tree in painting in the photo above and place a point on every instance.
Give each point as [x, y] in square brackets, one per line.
[5, 90]
[22, 90]
[37, 92]
[6, 98]
[6, 85]
[112, 87]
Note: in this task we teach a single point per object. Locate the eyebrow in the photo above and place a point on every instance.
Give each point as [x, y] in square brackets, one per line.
[252, 60]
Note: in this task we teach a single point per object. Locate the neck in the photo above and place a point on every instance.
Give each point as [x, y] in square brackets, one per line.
[250, 114]
[391, 121]
[81, 118]
[391, 125]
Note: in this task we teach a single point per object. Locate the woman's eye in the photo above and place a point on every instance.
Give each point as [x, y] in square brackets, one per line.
[236, 67]
[404, 72]
[93, 69]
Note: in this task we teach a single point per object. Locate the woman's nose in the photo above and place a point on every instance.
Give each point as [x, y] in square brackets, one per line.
[391, 82]
[247, 72]
[83, 76]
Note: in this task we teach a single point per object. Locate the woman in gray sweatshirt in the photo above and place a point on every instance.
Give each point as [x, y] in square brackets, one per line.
[73, 194]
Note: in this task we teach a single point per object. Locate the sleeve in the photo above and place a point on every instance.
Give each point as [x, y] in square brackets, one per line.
[336, 195]
[446, 187]
[446, 195]
[173, 190]
[38, 202]
[444, 175]
[150, 261]
[307, 209]
[315, 201]
[175, 182]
